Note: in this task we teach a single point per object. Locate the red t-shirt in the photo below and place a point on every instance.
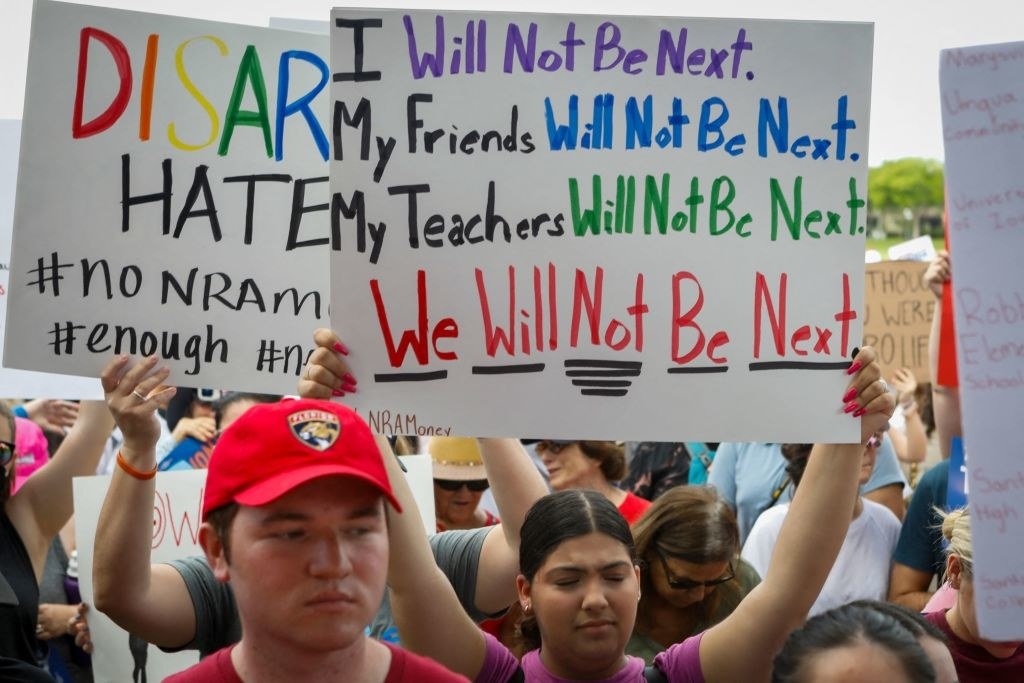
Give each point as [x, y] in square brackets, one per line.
[406, 667]
[633, 507]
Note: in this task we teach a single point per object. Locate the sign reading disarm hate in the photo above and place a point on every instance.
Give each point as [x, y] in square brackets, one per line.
[171, 198]
[599, 227]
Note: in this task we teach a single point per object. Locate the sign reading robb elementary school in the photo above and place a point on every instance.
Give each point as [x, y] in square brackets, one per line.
[599, 227]
[169, 198]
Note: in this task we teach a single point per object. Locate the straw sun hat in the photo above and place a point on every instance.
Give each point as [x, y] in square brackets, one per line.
[456, 458]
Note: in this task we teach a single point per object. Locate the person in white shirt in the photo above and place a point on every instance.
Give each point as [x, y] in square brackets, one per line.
[861, 572]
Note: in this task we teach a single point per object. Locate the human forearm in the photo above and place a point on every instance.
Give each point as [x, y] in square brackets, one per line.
[50, 492]
[515, 482]
[423, 603]
[915, 600]
[815, 527]
[121, 551]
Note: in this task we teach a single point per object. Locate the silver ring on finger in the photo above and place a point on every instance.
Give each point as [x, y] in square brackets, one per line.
[140, 396]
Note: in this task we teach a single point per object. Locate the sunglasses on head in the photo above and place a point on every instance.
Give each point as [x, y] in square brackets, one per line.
[6, 452]
[689, 584]
[475, 485]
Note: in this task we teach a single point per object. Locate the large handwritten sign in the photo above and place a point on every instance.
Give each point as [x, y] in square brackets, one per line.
[898, 314]
[21, 383]
[605, 227]
[171, 197]
[983, 121]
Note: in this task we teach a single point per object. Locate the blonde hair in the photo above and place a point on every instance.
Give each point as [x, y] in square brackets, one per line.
[956, 529]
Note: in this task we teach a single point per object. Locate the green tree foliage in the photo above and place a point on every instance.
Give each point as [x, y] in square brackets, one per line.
[905, 184]
[904, 192]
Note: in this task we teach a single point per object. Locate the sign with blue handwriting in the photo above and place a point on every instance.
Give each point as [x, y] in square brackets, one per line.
[171, 198]
[599, 227]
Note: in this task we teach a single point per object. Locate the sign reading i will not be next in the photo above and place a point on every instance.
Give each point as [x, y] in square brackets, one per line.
[599, 227]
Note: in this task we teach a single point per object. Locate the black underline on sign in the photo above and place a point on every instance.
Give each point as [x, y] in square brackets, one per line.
[622, 364]
[410, 376]
[507, 369]
[603, 373]
[697, 371]
[604, 392]
[798, 365]
[601, 383]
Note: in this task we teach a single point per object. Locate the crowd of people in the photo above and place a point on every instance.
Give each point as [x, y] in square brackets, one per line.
[554, 560]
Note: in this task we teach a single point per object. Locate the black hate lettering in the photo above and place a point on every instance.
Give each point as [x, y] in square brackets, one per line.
[163, 196]
[298, 209]
[199, 183]
[250, 194]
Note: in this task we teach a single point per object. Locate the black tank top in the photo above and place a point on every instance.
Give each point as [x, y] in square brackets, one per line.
[17, 622]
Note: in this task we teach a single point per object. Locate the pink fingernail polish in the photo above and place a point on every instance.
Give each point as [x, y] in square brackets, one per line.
[859, 412]
[849, 395]
[350, 388]
[337, 392]
[850, 407]
[349, 379]
[854, 367]
[341, 348]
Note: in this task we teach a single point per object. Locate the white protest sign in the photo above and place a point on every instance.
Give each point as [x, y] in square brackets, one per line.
[177, 510]
[21, 383]
[918, 249]
[171, 197]
[983, 120]
[599, 227]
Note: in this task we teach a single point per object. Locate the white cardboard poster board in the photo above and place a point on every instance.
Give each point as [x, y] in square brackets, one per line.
[982, 92]
[599, 227]
[177, 511]
[22, 383]
[171, 197]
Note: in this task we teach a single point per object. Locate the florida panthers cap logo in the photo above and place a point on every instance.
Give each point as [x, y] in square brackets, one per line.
[317, 429]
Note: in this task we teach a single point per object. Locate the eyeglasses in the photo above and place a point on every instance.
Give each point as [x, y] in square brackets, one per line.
[6, 452]
[689, 584]
[476, 485]
[875, 440]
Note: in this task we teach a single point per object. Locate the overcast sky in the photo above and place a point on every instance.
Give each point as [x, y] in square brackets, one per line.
[908, 37]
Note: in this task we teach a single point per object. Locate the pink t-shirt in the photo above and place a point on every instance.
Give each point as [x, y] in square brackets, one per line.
[680, 663]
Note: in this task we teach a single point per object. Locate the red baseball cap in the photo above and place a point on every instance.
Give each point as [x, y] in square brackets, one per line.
[274, 447]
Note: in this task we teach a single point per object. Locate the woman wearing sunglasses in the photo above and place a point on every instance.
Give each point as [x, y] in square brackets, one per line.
[459, 483]
[861, 572]
[691, 575]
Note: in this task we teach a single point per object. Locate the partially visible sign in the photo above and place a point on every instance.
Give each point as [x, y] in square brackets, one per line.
[898, 311]
[25, 383]
[982, 91]
[172, 197]
[917, 249]
[177, 511]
